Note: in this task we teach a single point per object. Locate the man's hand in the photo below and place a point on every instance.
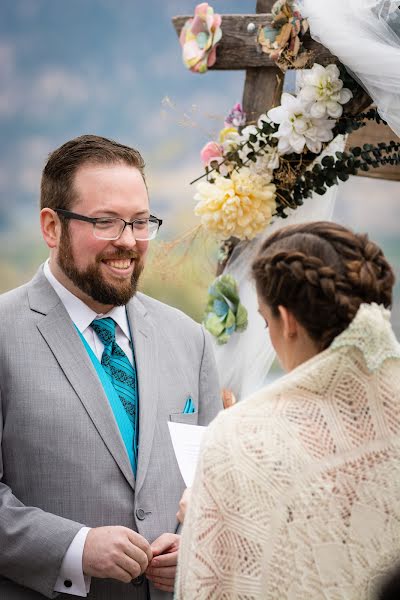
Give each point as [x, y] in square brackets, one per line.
[162, 569]
[115, 552]
[183, 504]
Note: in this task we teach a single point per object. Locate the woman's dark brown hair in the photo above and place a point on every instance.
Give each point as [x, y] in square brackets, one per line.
[322, 272]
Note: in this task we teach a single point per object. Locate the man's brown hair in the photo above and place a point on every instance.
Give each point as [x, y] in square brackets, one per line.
[57, 190]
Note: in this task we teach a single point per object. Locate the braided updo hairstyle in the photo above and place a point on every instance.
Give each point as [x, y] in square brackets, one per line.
[322, 272]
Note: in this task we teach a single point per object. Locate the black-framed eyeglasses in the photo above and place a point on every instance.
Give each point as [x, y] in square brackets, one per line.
[111, 228]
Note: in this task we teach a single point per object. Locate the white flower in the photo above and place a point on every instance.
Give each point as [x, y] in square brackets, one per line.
[266, 162]
[229, 139]
[323, 91]
[266, 153]
[249, 146]
[262, 168]
[248, 131]
[297, 129]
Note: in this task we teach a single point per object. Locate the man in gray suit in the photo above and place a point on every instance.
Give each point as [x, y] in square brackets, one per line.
[90, 374]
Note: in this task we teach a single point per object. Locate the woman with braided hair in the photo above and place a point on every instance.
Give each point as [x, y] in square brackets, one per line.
[297, 494]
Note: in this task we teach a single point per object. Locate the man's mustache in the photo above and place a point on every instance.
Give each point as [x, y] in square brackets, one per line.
[120, 255]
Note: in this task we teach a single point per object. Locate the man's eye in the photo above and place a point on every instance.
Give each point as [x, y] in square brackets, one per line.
[104, 223]
[141, 224]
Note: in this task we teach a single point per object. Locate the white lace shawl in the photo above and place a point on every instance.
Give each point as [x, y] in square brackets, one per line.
[297, 494]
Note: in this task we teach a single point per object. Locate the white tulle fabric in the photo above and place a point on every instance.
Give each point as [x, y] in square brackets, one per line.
[365, 36]
[243, 363]
[297, 493]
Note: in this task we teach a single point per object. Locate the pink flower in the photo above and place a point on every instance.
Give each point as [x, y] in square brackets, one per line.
[199, 38]
[236, 117]
[211, 151]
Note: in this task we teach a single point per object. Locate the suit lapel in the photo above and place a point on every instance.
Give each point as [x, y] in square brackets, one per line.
[145, 348]
[63, 340]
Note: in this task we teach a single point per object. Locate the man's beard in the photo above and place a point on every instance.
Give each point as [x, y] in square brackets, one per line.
[91, 281]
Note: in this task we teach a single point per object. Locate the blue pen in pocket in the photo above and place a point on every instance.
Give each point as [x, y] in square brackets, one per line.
[189, 407]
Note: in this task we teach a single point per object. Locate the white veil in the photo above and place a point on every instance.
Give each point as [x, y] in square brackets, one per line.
[244, 362]
[365, 36]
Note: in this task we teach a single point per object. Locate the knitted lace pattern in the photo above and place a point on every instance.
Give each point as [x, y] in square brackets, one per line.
[297, 494]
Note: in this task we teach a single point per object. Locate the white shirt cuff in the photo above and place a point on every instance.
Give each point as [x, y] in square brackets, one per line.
[71, 579]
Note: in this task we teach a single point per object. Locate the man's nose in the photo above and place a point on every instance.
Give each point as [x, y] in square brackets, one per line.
[127, 238]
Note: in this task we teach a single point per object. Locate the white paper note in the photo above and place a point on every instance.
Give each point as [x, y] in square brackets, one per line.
[186, 440]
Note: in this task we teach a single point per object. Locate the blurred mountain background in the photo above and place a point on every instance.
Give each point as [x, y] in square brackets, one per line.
[114, 68]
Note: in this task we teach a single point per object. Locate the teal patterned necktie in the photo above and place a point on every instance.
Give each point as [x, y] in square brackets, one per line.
[120, 371]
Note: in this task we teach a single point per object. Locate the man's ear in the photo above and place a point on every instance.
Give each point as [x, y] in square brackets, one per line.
[290, 327]
[50, 226]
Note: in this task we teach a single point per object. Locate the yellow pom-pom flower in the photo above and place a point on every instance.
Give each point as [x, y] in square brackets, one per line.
[240, 206]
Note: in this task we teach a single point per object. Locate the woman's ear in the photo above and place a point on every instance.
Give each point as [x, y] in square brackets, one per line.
[50, 226]
[290, 326]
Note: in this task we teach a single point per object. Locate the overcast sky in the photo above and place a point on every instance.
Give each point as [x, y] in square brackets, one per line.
[113, 67]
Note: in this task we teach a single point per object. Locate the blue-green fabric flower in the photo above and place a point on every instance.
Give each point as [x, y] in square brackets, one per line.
[224, 313]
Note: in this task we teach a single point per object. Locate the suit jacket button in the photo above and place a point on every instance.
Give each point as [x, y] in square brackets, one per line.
[68, 583]
[141, 515]
[138, 581]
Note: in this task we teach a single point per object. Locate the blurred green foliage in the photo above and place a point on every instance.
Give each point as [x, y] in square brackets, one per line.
[177, 273]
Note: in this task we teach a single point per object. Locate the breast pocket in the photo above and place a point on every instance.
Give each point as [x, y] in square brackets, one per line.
[188, 418]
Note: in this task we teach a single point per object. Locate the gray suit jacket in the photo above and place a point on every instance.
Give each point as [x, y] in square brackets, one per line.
[63, 462]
